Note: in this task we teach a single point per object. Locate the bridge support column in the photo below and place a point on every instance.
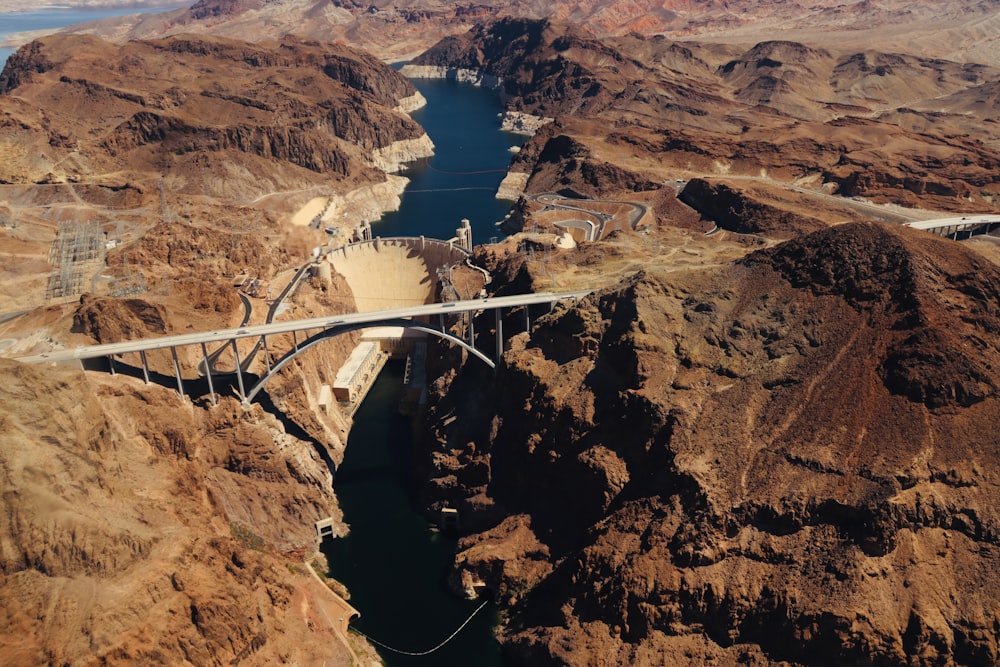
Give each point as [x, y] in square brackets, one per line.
[527, 318]
[295, 341]
[111, 364]
[472, 328]
[177, 372]
[145, 366]
[239, 373]
[441, 321]
[267, 353]
[208, 374]
[499, 332]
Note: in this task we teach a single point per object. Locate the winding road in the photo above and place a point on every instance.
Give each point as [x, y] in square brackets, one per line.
[554, 201]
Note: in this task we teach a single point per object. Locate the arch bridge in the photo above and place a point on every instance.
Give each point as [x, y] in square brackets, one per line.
[315, 330]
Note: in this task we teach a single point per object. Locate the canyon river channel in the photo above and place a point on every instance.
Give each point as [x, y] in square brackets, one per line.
[393, 562]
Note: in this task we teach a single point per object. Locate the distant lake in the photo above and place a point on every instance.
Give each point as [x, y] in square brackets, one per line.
[56, 18]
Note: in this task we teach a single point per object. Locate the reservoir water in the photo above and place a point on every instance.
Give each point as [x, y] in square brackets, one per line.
[460, 181]
[394, 562]
[60, 17]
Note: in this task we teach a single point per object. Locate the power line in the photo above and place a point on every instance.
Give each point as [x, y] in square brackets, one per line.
[427, 162]
[429, 651]
[450, 189]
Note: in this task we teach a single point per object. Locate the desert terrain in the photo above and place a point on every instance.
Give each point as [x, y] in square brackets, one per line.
[766, 438]
[962, 30]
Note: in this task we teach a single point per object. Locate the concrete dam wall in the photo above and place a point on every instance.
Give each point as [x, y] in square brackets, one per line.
[394, 272]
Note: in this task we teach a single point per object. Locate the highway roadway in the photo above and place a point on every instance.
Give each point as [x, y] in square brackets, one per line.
[289, 326]
[551, 200]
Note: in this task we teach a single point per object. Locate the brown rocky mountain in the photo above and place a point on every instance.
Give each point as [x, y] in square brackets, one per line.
[789, 459]
[194, 109]
[201, 146]
[139, 529]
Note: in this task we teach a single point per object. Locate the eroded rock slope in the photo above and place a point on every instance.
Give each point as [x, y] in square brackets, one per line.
[788, 460]
[138, 529]
[211, 116]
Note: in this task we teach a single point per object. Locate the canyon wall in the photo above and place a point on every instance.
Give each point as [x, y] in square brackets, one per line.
[786, 460]
[143, 529]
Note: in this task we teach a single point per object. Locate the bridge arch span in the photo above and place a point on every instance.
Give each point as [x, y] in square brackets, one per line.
[286, 358]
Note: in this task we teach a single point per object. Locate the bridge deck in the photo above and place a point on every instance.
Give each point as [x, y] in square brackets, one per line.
[951, 225]
[316, 323]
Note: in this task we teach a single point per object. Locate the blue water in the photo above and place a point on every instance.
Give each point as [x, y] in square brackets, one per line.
[461, 180]
[52, 19]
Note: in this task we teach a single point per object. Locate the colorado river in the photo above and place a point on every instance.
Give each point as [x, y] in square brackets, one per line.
[392, 561]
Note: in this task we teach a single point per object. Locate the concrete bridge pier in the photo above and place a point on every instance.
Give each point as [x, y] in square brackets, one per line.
[267, 353]
[145, 366]
[239, 373]
[177, 372]
[497, 312]
[208, 374]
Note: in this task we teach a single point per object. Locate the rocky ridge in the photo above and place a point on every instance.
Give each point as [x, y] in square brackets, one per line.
[400, 29]
[199, 122]
[786, 460]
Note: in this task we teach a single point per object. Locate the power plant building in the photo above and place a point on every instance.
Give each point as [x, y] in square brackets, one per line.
[358, 372]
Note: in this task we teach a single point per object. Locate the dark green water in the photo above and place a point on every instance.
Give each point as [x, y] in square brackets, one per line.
[392, 561]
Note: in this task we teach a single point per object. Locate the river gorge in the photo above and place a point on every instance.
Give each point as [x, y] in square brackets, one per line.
[393, 562]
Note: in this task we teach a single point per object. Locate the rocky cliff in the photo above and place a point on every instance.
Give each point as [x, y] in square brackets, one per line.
[249, 119]
[735, 211]
[789, 460]
[139, 529]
